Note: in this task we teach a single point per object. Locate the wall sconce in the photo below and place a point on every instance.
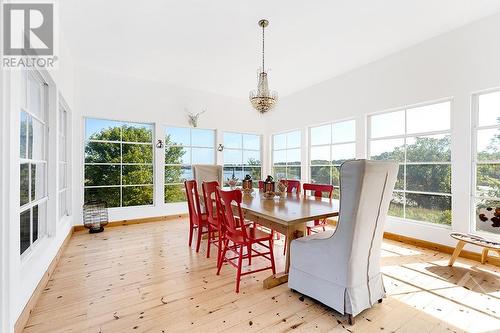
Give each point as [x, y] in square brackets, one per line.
[159, 144]
[220, 147]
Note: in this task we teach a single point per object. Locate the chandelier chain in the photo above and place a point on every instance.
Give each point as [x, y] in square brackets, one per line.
[263, 70]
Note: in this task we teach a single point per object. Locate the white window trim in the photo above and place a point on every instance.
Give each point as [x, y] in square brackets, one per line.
[301, 165]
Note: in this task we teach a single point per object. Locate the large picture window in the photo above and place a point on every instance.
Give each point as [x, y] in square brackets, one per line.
[33, 159]
[287, 155]
[242, 155]
[118, 162]
[486, 179]
[183, 148]
[329, 146]
[419, 139]
[62, 138]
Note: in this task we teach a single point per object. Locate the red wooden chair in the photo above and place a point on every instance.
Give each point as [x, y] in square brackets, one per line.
[318, 190]
[261, 184]
[242, 237]
[197, 220]
[214, 221]
[292, 185]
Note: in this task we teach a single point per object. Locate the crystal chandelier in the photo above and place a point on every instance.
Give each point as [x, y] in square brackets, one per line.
[263, 99]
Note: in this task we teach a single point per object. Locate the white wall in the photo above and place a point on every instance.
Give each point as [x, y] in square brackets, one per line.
[454, 65]
[120, 97]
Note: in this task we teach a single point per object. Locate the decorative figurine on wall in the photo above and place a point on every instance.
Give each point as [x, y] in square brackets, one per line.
[193, 117]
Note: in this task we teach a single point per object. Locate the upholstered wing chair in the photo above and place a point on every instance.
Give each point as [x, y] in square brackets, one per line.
[341, 268]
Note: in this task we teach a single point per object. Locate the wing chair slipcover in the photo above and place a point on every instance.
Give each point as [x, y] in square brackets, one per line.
[341, 268]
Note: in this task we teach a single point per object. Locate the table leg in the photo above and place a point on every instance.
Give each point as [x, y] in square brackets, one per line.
[275, 280]
[484, 255]
[458, 249]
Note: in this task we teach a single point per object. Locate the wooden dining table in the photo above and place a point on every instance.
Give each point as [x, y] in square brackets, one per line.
[287, 215]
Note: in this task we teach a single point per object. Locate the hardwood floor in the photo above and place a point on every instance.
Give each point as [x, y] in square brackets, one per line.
[144, 278]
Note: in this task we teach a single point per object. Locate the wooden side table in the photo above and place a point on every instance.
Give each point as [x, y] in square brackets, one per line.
[486, 244]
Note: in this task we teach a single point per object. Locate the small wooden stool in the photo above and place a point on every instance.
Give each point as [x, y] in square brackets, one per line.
[486, 244]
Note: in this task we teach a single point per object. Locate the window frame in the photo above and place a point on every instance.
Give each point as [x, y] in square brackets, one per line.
[63, 107]
[242, 149]
[404, 137]
[475, 128]
[121, 164]
[190, 146]
[24, 107]
[286, 165]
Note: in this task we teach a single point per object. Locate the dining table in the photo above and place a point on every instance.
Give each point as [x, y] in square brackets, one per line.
[288, 215]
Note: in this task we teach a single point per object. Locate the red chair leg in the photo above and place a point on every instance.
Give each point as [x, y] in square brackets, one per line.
[191, 228]
[198, 241]
[284, 247]
[222, 257]
[209, 239]
[238, 275]
[249, 251]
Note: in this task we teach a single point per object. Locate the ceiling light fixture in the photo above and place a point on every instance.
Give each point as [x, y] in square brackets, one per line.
[263, 99]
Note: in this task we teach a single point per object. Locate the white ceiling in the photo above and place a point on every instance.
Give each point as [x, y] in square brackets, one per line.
[215, 45]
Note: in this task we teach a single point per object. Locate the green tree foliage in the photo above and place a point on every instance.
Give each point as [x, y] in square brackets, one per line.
[174, 175]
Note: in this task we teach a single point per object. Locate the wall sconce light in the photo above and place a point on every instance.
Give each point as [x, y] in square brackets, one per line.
[159, 144]
[220, 147]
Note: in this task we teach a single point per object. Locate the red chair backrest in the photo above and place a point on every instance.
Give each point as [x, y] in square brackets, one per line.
[292, 184]
[209, 189]
[193, 201]
[229, 221]
[318, 189]
[261, 184]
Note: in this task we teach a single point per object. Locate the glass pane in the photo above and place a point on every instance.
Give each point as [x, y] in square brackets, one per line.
[279, 157]
[236, 172]
[392, 149]
[137, 132]
[486, 211]
[24, 184]
[203, 156]
[293, 139]
[36, 221]
[429, 178]
[293, 172]
[177, 136]
[233, 157]
[25, 230]
[110, 195]
[255, 172]
[38, 181]
[279, 141]
[35, 92]
[336, 176]
[251, 141]
[396, 207]
[137, 196]
[321, 174]
[251, 157]
[137, 174]
[488, 180]
[203, 138]
[489, 109]
[343, 152]
[293, 156]
[488, 145]
[177, 174]
[62, 176]
[62, 204]
[279, 172]
[321, 135]
[428, 208]
[30, 137]
[101, 175]
[137, 153]
[400, 181]
[387, 124]
[187, 173]
[99, 129]
[320, 155]
[102, 152]
[429, 118]
[37, 140]
[23, 131]
[175, 193]
[232, 140]
[177, 155]
[344, 131]
[436, 148]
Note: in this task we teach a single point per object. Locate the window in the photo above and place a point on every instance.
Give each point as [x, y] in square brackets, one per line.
[486, 180]
[33, 160]
[118, 162]
[330, 146]
[419, 139]
[183, 148]
[286, 155]
[62, 137]
[242, 155]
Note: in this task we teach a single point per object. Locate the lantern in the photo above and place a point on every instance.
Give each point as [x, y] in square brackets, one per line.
[247, 183]
[269, 184]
